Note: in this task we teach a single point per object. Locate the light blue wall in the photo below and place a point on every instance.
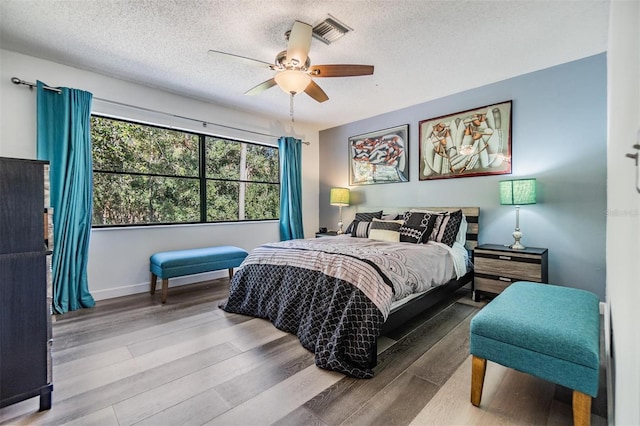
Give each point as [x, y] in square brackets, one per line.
[558, 136]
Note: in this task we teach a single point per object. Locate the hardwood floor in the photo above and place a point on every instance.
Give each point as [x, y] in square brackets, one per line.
[132, 361]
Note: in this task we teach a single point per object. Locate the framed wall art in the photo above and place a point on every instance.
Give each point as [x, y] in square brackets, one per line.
[476, 142]
[379, 157]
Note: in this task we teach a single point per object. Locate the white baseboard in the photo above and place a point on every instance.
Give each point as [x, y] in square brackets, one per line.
[127, 290]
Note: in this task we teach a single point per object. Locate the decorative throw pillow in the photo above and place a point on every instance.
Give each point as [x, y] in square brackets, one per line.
[446, 227]
[412, 234]
[360, 229]
[417, 227]
[392, 216]
[363, 217]
[385, 230]
[418, 218]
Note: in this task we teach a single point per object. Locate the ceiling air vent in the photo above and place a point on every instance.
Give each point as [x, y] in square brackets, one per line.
[330, 29]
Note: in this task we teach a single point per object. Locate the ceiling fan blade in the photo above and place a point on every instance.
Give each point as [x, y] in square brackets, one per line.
[340, 70]
[316, 92]
[242, 59]
[261, 87]
[299, 43]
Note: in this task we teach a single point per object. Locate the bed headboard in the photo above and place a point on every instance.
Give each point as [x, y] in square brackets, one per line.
[471, 213]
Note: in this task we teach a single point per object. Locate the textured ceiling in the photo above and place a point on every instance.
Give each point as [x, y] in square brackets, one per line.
[421, 50]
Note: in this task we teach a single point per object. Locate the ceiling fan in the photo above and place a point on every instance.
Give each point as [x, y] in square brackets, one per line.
[293, 66]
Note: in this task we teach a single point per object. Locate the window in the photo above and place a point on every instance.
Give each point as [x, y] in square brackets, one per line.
[144, 175]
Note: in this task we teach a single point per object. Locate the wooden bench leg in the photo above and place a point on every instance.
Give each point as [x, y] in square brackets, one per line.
[165, 290]
[478, 368]
[581, 409]
[152, 289]
[230, 273]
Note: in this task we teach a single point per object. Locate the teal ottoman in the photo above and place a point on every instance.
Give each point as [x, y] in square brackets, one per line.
[171, 264]
[548, 331]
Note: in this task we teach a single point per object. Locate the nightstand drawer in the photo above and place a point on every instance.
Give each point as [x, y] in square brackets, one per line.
[490, 285]
[496, 267]
[513, 268]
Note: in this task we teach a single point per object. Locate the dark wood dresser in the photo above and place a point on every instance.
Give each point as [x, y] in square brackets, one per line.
[25, 309]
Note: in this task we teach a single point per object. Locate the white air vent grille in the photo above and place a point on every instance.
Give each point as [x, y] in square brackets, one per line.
[330, 29]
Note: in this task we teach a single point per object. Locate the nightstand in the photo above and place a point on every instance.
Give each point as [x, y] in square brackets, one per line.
[326, 234]
[497, 266]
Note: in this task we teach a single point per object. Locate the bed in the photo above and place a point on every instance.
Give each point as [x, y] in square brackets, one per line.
[339, 294]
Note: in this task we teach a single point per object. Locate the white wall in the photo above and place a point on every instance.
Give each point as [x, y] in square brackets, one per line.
[623, 206]
[119, 257]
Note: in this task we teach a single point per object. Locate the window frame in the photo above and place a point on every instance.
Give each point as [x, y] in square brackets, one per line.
[201, 177]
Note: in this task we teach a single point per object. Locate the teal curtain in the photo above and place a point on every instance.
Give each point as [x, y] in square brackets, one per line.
[64, 140]
[290, 188]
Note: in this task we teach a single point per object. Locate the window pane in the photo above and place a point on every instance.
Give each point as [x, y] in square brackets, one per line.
[223, 158]
[262, 163]
[125, 199]
[262, 201]
[222, 201]
[136, 148]
[150, 175]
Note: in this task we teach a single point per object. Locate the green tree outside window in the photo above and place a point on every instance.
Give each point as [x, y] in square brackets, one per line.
[152, 175]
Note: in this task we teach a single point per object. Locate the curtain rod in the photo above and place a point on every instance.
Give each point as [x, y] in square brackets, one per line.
[16, 80]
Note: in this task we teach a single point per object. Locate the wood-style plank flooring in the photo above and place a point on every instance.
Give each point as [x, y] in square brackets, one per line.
[132, 361]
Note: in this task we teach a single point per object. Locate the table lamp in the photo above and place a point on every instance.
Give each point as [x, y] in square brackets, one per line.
[517, 192]
[339, 197]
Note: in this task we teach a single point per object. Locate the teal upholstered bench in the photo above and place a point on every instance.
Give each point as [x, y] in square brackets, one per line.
[171, 264]
[548, 331]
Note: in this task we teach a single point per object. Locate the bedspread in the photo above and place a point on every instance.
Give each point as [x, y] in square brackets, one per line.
[335, 293]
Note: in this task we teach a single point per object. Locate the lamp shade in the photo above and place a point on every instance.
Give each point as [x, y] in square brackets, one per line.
[518, 191]
[339, 197]
[292, 81]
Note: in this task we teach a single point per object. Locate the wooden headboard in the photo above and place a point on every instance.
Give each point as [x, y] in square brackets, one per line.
[471, 213]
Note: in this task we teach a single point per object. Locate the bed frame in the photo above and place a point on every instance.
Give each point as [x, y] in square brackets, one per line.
[418, 305]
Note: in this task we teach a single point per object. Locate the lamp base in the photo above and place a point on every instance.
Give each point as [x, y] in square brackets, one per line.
[340, 231]
[517, 235]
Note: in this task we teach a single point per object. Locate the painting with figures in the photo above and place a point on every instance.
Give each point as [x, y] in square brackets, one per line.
[476, 142]
[379, 157]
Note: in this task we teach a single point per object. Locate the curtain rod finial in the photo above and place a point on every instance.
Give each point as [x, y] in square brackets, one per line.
[16, 80]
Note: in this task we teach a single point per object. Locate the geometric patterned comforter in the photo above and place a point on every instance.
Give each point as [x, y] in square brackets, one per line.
[334, 293]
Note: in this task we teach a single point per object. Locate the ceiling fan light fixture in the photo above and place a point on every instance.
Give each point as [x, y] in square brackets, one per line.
[292, 81]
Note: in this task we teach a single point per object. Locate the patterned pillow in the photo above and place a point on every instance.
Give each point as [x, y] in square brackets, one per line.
[413, 234]
[418, 218]
[360, 229]
[392, 216]
[417, 227]
[385, 230]
[363, 217]
[446, 227]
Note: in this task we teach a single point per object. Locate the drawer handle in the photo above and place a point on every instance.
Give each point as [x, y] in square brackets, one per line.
[505, 279]
[504, 257]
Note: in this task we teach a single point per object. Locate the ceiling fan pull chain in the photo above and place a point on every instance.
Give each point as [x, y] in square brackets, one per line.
[291, 107]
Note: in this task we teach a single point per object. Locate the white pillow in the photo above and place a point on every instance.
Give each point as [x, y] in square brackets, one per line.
[385, 230]
[462, 232]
